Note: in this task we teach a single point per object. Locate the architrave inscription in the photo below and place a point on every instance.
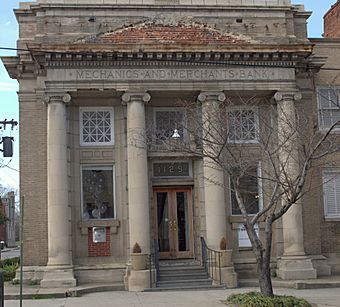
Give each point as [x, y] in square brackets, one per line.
[173, 74]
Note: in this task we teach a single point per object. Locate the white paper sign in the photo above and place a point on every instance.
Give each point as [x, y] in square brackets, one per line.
[99, 234]
[243, 239]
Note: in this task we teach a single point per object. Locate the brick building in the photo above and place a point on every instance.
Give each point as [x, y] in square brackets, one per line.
[332, 21]
[99, 76]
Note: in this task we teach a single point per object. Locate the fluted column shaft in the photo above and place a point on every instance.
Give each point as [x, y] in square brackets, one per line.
[59, 244]
[214, 192]
[139, 209]
[288, 158]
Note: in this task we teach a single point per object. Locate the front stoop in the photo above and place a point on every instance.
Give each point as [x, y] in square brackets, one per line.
[183, 275]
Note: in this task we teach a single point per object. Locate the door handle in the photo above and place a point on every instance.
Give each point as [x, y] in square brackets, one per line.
[175, 226]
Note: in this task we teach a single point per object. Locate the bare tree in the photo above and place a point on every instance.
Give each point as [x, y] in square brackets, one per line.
[234, 136]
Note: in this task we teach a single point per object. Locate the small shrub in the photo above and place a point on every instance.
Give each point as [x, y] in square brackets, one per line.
[9, 267]
[136, 249]
[223, 244]
[256, 299]
[9, 271]
[10, 261]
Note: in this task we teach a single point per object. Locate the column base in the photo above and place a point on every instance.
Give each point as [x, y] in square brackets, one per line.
[295, 267]
[137, 280]
[229, 277]
[58, 277]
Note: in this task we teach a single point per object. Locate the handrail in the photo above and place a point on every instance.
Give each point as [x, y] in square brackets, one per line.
[211, 261]
[154, 264]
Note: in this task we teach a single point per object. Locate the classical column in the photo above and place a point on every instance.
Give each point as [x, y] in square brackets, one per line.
[138, 187]
[293, 264]
[214, 191]
[59, 270]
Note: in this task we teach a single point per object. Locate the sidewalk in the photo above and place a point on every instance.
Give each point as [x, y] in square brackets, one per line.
[210, 298]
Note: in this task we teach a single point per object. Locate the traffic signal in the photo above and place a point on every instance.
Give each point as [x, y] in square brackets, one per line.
[7, 142]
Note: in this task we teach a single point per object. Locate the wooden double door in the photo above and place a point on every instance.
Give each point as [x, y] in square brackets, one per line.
[173, 222]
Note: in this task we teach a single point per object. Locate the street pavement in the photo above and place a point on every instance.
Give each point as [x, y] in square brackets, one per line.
[210, 298]
[8, 253]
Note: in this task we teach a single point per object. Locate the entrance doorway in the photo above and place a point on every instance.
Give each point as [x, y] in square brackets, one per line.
[173, 227]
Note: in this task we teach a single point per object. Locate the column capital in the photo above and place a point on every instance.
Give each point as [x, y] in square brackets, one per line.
[287, 95]
[211, 95]
[57, 98]
[135, 96]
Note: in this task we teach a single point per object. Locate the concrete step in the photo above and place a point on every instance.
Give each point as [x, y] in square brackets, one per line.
[183, 276]
[181, 272]
[186, 282]
[186, 288]
[181, 262]
[182, 269]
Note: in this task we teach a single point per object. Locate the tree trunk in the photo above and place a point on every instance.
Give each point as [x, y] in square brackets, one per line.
[265, 280]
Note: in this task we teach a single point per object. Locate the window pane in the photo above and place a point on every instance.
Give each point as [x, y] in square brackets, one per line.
[249, 193]
[96, 127]
[242, 125]
[97, 184]
[329, 108]
[166, 122]
[331, 190]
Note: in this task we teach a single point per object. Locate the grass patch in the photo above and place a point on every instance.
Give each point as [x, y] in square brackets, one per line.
[256, 299]
[9, 267]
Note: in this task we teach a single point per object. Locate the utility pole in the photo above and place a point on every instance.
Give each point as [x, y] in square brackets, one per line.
[5, 122]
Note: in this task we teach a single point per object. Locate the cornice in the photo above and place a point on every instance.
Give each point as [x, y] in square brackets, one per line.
[157, 59]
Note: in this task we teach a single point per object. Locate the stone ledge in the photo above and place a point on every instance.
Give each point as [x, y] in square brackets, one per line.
[85, 225]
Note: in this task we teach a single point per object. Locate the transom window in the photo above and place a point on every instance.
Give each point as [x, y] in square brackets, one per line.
[96, 126]
[329, 106]
[97, 192]
[242, 125]
[331, 193]
[251, 192]
[168, 123]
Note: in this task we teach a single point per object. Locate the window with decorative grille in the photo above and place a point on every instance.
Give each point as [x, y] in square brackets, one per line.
[96, 126]
[331, 193]
[329, 106]
[168, 123]
[242, 125]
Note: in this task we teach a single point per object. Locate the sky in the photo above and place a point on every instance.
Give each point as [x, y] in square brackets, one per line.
[9, 107]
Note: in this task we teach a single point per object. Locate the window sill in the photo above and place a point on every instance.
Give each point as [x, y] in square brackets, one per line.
[86, 224]
[332, 219]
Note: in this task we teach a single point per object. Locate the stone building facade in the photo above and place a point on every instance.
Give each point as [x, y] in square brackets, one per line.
[95, 75]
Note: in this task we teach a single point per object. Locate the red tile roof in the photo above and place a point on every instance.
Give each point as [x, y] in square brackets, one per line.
[178, 34]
